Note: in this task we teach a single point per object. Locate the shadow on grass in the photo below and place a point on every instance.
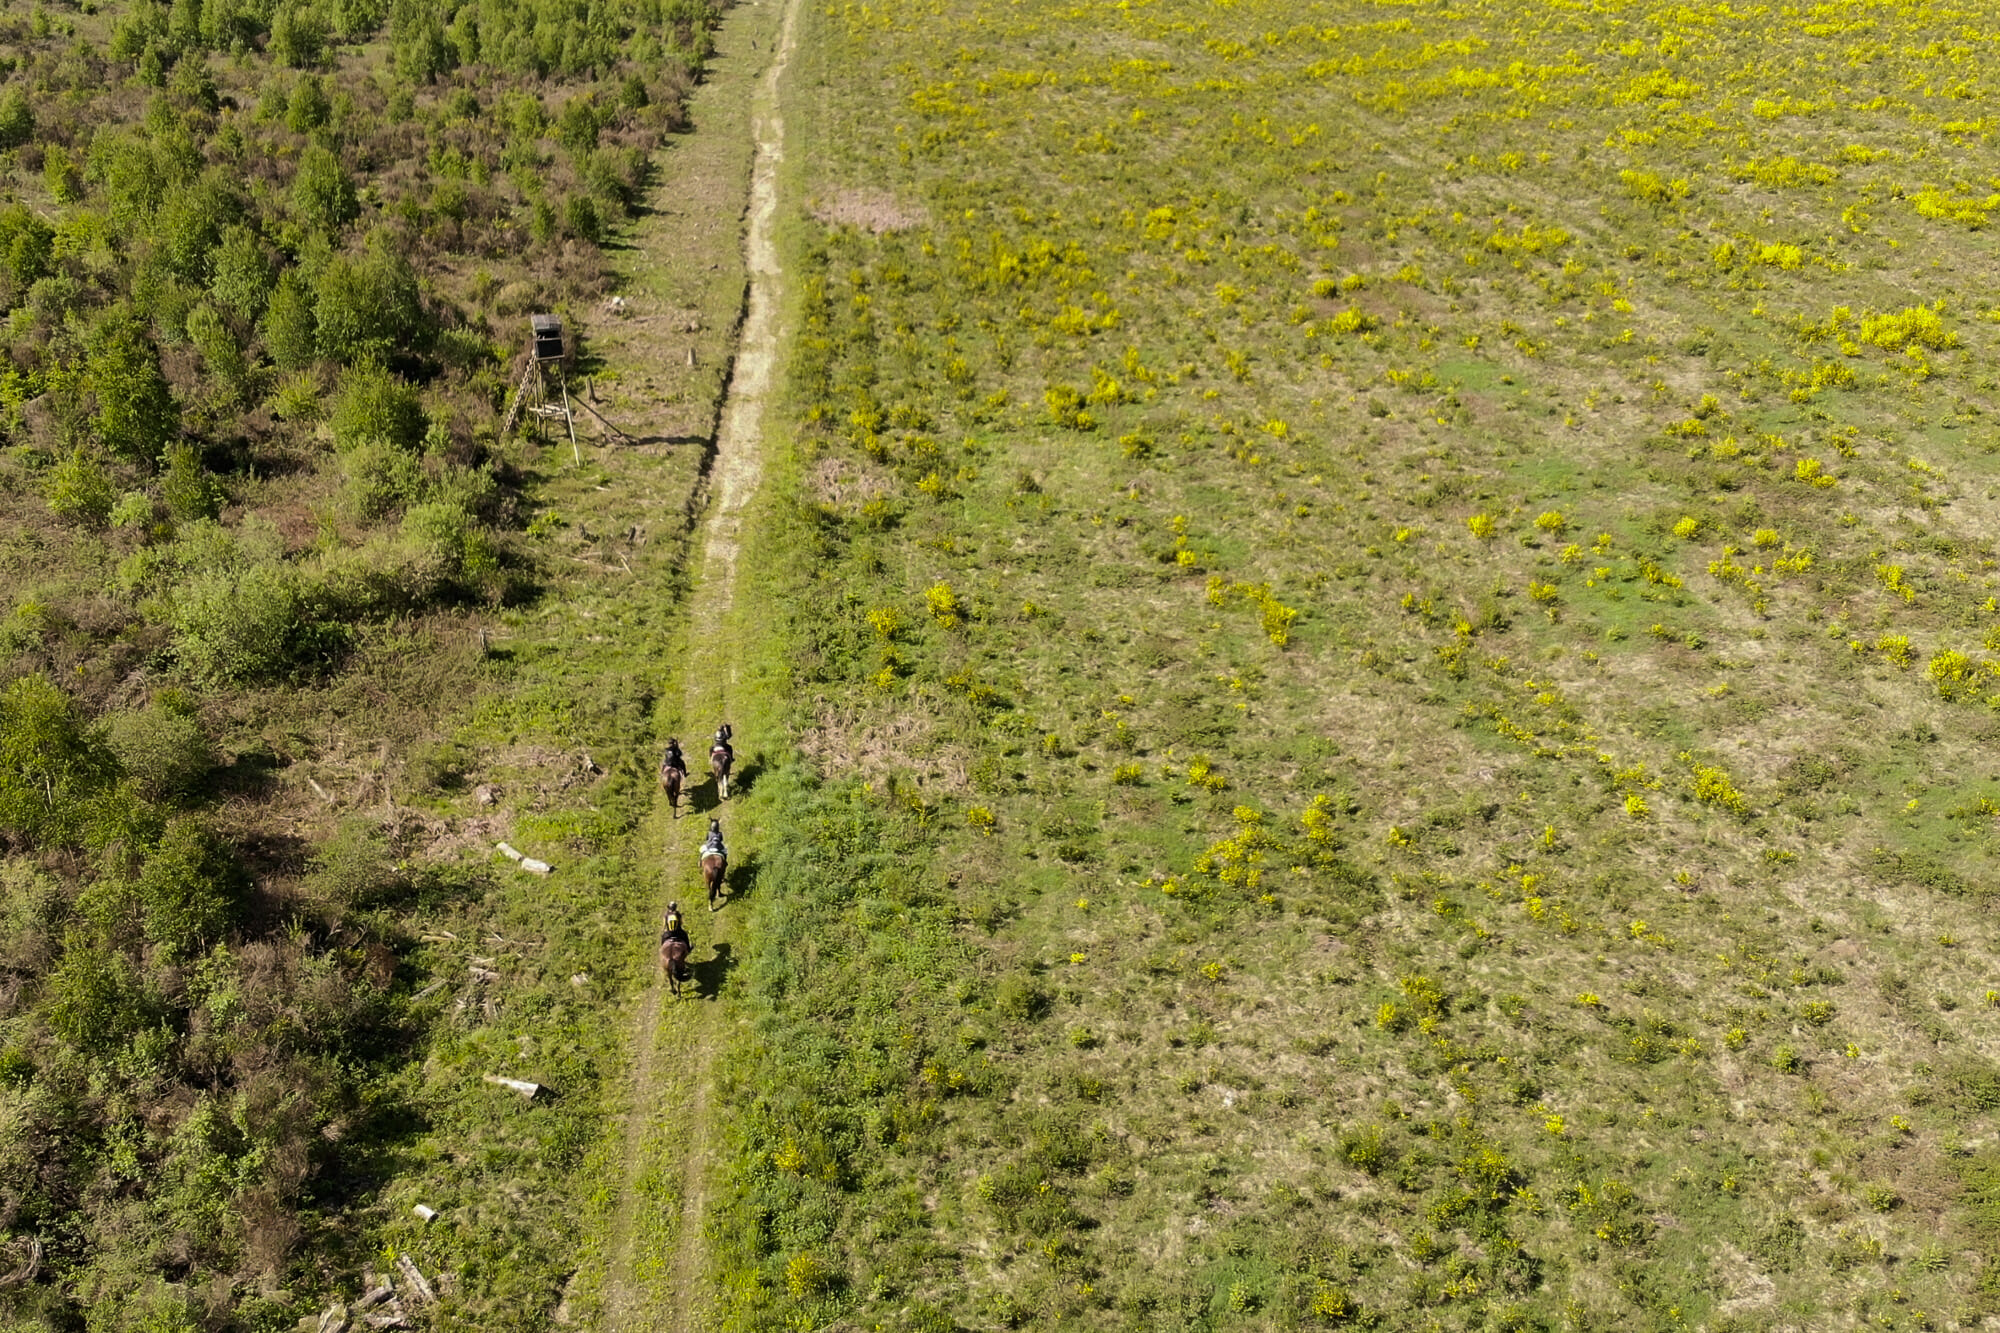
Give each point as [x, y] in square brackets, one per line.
[710, 975]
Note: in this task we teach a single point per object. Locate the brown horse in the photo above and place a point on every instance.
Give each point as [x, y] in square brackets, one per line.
[714, 862]
[720, 757]
[674, 948]
[673, 957]
[673, 774]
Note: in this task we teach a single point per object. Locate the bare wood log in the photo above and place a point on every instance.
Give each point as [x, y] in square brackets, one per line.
[420, 1287]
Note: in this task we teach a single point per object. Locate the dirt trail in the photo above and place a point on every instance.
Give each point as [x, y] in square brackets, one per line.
[657, 1260]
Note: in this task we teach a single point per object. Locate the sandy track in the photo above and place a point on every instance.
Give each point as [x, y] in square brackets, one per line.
[658, 1264]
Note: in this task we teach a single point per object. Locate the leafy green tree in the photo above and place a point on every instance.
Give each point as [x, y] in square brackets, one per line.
[225, 361]
[239, 624]
[61, 174]
[308, 108]
[190, 223]
[95, 1001]
[79, 490]
[298, 35]
[188, 889]
[291, 330]
[581, 214]
[27, 247]
[132, 176]
[242, 271]
[192, 82]
[136, 415]
[186, 486]
[17, 117]
[369, 308]
[50, 767]
[376, 405]
[322, 195]
[578, 125]
[418, 46]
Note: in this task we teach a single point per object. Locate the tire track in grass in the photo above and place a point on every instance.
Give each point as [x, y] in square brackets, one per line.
[659, 1267]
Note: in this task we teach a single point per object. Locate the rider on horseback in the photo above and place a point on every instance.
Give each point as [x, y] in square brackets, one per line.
[721, 746]
[712, 844]
[674, 759]
[675, 926]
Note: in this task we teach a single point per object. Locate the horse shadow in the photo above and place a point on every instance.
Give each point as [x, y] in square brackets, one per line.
[709, 976]
[737, 879]
[743, 777]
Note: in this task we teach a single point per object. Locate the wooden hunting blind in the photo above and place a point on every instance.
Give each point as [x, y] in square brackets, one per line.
[548, 332]
[542, 392]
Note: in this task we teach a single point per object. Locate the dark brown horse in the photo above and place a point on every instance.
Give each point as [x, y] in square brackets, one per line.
[674, 949]
[714, 862]
[673, 775]
[720, 757]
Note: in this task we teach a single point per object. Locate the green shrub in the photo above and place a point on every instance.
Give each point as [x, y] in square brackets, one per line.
[163, 750]
[376, 406]
[188, 889]
[378, 478]
[355, 868]
[79, 490]
[240, 625]
[50, 768]
[1021, 998]
[187, 488]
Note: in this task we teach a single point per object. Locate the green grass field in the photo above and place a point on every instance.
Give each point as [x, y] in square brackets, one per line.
[1393, 609]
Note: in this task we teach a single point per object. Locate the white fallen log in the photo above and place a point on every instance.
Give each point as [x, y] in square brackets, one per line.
[420, 1287]
[424, 1211]
[507, 851]
[521, 1086]
[534, 867]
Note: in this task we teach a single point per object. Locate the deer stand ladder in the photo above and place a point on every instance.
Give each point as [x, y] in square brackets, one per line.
[546, 357]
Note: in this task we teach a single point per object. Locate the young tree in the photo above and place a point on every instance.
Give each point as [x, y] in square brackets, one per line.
[136, 415]
[50, 767]
[322, 195]
[291, 332]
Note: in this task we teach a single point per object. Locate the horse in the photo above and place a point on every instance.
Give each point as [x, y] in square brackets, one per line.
[720, 757]
[714, 862]
[673, 773]
[673, 957]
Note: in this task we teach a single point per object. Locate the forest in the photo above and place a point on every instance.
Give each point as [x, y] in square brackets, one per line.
[265, 271]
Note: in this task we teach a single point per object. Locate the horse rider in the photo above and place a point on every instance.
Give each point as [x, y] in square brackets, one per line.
[712, 844]
[675, 925]
[721, 746]
[674, 759]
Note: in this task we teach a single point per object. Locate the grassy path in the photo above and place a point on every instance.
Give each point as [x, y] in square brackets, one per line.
[658, 1266]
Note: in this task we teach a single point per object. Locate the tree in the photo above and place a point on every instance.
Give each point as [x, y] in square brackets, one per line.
[322, 195]
[308, 108]
[136, 415]
[189, 491]
[27, 246]
[219, 352]
[375, 405]
[79, 490]
[291, 331]
[369, 308]
[242, 273]
[298, 35]
[50, 767]
[188, 889]
[17, 118]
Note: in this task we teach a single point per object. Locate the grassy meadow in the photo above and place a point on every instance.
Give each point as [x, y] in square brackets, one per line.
[1393, 611]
